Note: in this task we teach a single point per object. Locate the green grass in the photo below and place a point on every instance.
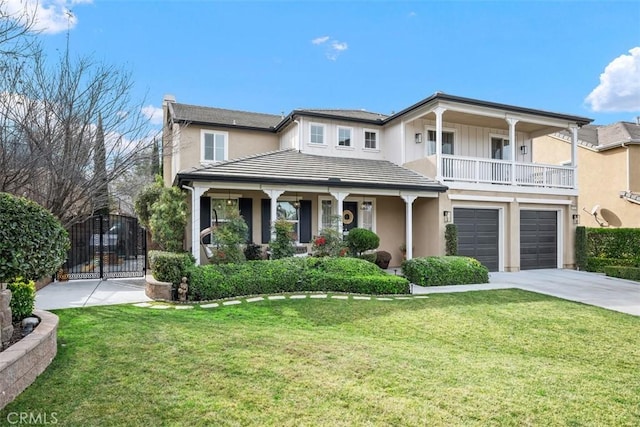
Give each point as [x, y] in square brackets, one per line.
[504, 357]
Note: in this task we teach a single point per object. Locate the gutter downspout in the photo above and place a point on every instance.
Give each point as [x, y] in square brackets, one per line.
[195, 248]
[297, 122]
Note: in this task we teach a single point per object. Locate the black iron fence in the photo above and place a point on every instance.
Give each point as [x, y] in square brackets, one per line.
[107, 246]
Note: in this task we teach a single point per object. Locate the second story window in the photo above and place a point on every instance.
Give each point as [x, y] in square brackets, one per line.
[344, 137]
[447, 142]
[214, 146]
[316, 133]
[370, 139]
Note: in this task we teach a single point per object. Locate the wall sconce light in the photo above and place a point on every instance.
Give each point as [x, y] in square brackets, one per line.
[447, 216]
[523, 150]
[418, 138]
[229, 201]
[296, 202]
[575, 218]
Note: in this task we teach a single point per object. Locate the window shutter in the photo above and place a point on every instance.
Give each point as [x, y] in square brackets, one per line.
[266, 220]
[205, 218]
[246, 211]
[305, 221]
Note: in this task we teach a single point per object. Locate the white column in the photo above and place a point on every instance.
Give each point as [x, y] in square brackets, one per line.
[408, 200]
[438, 111]
[574, 154]
[512, 143]
[273, 195]
[195, 222]
[339, 196]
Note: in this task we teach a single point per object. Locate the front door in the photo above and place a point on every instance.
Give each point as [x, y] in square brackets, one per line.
[349, 216]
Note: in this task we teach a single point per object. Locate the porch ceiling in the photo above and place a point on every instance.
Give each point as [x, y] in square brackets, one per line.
[470, 119]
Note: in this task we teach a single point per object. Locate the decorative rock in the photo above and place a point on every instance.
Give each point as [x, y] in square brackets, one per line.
[233, 302]
[273, 297]
[318, 296]
[211, 305]
[340, 296]
[255, 299]
[183, 307]
[28, 325]
[297, 297]
[361, 298]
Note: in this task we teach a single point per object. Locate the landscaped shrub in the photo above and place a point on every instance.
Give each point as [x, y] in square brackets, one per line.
[291, 275]
[447, 270]
[169, 219]
[629, 273]
[613, 242]
[23, 297]
[33, 243]
[598, 265]
[581, 247]
[170, 266]
[360, 240]
[282, 245]
[328, 243]
[369, 257]
[451, 239]
[228, 238]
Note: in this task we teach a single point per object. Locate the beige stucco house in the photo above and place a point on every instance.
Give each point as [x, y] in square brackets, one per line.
[609, 172]
[404, 176]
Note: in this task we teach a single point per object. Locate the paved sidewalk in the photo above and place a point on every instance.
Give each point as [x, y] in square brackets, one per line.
[580, 286]
[83, 293]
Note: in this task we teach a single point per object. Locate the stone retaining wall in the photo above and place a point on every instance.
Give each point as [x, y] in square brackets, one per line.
[21, 363]
[156, 290]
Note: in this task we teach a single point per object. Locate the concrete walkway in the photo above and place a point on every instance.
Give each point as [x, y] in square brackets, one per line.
[580, 286]
[83, 293]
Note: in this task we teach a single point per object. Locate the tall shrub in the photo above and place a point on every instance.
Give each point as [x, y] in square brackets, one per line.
[23, 297]
[33, 243]
[282, 245]
[451, 239]
[169, 219]
[360, 240]
[229, 237]
[581, 247]
[145, 200]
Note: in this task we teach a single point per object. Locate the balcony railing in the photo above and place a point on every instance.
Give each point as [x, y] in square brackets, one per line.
[490, 171]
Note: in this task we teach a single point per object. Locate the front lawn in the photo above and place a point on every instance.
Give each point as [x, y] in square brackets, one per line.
[504, 357]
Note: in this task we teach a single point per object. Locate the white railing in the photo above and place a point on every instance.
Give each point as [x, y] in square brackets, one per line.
[490, 171]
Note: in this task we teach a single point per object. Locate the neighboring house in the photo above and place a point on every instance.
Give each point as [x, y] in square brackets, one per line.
[404, 176]
[609, 171]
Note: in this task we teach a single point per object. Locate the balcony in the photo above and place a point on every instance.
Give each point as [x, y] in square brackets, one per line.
[490, 171]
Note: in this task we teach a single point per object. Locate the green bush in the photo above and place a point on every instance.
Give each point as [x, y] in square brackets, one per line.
[447, 270]
[145, 200]
[169, 219]
[23, 297]
[328, 243]
[613, 242]
[33, 243]
[629, 273]
[229, 237]
[282, 245]
[581, 247]
[369, 257]
[170, 266]
[291, 275]
[360, 240]
[451, 239]
[597, 265]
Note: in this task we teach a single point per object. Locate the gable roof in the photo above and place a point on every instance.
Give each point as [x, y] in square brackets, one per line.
[604, 137]
[293, 167]
[219, 116]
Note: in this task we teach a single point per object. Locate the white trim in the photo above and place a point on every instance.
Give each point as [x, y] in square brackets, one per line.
[204, 132]
[501, 227]
[364, 140]
[351, 142]
[493, 135]
[358, 200]
[324, 134]
[224, 196]
[559, 233]
[495, 188]
[543, 202]
[429, 127]
[471, 198]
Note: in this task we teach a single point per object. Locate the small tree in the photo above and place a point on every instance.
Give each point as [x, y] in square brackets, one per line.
[229, 237]
[145, 200]
[169, 219]
[360, 240]
[282, 245]
[451, 239]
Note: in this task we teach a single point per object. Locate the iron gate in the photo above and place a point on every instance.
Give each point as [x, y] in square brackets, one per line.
[107, 246]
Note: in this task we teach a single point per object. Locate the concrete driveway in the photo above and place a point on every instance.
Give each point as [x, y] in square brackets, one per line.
[83, 293]
[588, 288]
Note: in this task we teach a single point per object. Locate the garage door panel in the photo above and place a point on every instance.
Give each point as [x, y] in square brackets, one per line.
[478, 235]
[538, 239]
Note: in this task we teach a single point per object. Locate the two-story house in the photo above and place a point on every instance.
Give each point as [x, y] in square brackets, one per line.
[405, 176]
[609, 172]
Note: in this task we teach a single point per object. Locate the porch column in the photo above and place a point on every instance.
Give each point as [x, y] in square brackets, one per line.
[512, 143]
[438, 111]
[196, 193]
[408, 201]
[273, 195]
[339, 196]
[574, 154]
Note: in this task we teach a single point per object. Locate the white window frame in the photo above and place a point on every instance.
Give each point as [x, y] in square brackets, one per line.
[372, 201]
[235, 199]
[295, 222]
[427, 141]
[203, 134]
[334, 210]
[504, 138]
[364, 140]
[324, 134]
[351, 144]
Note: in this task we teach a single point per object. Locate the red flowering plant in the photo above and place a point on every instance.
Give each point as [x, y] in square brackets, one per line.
[327, 243]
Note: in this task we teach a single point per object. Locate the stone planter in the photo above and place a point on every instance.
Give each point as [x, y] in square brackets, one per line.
[156, 290]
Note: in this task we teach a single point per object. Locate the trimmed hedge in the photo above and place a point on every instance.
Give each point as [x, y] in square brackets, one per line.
[443, 271]
[613, 242]
[170, 266]
[598, 265]
[581, 248]
[295, 274]
[23, 297]
[629, 273]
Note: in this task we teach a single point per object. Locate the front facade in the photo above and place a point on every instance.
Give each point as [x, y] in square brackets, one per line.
[609, 172]
[405, 176]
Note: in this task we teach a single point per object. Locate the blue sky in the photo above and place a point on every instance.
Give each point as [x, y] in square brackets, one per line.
[275, 56]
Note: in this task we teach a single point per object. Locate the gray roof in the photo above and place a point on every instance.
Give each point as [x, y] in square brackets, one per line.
[293, 167]
[220, 116]
[343, 114]
[605, 136]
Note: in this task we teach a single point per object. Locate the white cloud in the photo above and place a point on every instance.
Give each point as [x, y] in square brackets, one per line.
[619, 88]
[333, 49]
[320, 40]
[154, 114]
[51, 16]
